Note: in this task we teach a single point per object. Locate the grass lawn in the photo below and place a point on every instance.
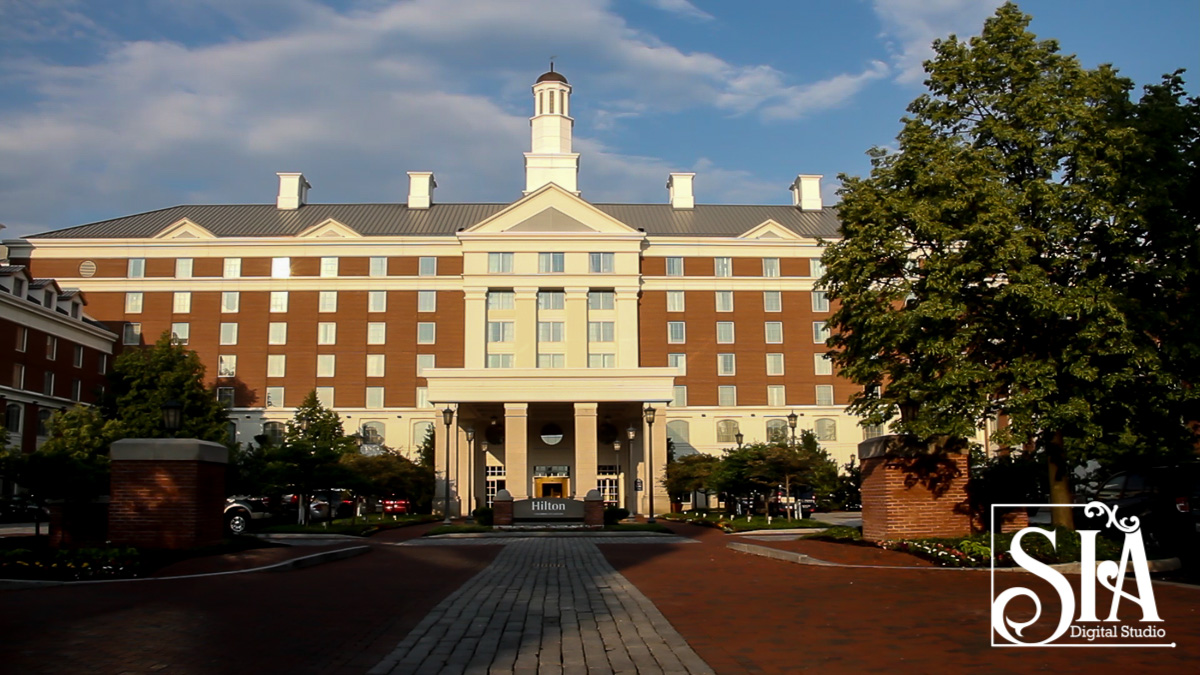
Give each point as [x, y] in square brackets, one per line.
[742, 524]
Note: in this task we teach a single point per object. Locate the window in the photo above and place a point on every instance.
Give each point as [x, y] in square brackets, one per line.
[427, 266]
[181, 333]
[550, 331]
[500, 361]
[726, 364]
[724, 301]
[424, 361]
[421, 431]
[132, 334]
[277, 333]
[824, 394]
[678, 362]
[274, 397]
[230, 301]
[48, 384]
[674, 301]
[225, 396]
[599, 300]
[48, 298]
[873, 431]
[822, 365]
[600, 331]
[775, 395]
[376, 333]
[74, 310]
[500, 331]
[51, 347]
[602, 360]
[232, 269]
[679, 396]
[500, 263]
[183, 268]
[279, 301]
[182, 303]
[377, 301]
[777, 431]
[723, 267]
[327, 301]
[77, 361]
[274, 433]
[774, 364]
[77, 389]
[136, 268]
[774, 332]
[550, 361]
[423, 398]
[375, 397]
[377, 364]
[43, 426]
[377, 267]
[772, 301]
[674, 267]
[816, 268]
[676, 333]
[227, 365]
[22, 338]
[724, 332]
[18, 377]
[727, 431]
[426, 333]
[325, 396]
[600, 263]
[229, 333]
[281, 268]
[326, 365]
[679, 432]
[727, 396]
[426, 301]
[103, 364]
[820, 301]
[276, 365]
[500, 300]
[19, 288]
[550, 263]
[329, 267]
[326, 333]
[770, 267]
[820, 332]
[551, 299]
[133, 303]
[826, 429]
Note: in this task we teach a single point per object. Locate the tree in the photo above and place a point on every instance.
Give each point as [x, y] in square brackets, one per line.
[72, 464]
[311, 452]
[689, 474]
[978, 272]
[144, 379]
[384, 474]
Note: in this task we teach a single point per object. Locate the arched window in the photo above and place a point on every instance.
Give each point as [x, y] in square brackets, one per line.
[678, 432]
[727, 431]
[826, 429]
[12, 418]
[777, 431]
[274, 433]
[231, 433]
[372, 433]
[43, 428]
[551, 103]
[420, 431]
[541, 102]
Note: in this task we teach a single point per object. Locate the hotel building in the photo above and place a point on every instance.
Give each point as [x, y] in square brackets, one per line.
[546, 324]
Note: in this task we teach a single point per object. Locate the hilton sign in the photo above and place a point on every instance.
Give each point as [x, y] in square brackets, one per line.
[547, 508]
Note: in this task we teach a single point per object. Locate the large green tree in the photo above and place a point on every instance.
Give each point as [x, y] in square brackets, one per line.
[987, 265]
[311, 453]
[72, 463]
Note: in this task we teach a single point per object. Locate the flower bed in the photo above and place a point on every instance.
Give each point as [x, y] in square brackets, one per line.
[70, 564]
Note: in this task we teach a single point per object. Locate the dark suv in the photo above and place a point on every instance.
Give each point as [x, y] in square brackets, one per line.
[1166, 501]
[242, 510]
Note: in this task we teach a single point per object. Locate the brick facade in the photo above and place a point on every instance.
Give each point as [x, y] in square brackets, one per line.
[913, 492]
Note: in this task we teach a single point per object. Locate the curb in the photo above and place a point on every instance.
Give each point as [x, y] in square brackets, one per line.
[302, 562]
[284, 536]
[1163, 565]
[542, 533]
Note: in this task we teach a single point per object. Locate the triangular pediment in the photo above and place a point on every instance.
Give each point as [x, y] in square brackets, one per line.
[184, 229]
[552, 210]
[769, 229]
[329, 229]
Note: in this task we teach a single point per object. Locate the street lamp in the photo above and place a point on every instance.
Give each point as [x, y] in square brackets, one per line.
[739, 437]
[791, 418]
[630, 433]
[447, 416]
[172, 417]
[470, 475]
[649, 411]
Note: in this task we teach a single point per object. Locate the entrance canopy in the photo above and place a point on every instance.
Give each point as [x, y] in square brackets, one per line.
[500, 385]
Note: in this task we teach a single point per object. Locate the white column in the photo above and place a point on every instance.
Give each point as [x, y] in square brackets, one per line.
[585, 449]
[475, 325]
[525, 330]
[626, 303]
[577, 320]
[516, 451]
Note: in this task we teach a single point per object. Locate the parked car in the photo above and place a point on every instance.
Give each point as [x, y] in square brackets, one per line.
[242, 510]
[396, 505]
[1166, 501]
[341, 501]
[21, 509]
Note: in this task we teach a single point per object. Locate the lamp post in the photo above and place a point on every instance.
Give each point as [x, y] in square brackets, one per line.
[630, 433]
[739, 437]
[470, 474]
[791, 418]
[172, 417]
[649, 412]
[447, 416]
[617, 452]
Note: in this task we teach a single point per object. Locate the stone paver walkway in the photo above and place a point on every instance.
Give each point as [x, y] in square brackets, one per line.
[545, 605]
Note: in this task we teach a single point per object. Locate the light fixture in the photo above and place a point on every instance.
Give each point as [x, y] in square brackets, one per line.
[631, 432]
[649, 412]
[739, 437]
[447, 416]
[172, 417]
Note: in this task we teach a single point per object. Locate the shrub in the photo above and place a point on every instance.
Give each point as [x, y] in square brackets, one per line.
[615, 514]
[484, 515]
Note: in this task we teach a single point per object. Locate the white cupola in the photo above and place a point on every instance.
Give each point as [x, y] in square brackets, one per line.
[550, 159]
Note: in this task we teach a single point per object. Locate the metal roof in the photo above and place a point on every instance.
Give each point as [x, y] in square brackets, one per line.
[372, 220]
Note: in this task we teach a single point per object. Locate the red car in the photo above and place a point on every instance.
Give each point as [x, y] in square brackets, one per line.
[393, 505]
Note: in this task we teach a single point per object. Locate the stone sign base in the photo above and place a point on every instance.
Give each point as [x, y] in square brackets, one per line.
[548, 512]
[912, 490]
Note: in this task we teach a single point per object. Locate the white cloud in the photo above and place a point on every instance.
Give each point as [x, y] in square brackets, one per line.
[911, 26]
[681, 7]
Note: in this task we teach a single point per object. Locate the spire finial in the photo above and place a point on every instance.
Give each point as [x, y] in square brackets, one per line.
[552, 63]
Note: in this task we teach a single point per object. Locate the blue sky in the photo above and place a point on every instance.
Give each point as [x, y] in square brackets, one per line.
[112, 108]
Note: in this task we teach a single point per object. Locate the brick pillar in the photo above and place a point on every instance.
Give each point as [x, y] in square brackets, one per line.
[593, 509]
[502, 508]
[167, 492]
[913, 490]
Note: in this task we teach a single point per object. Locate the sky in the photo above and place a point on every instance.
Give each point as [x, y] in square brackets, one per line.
[114, 107]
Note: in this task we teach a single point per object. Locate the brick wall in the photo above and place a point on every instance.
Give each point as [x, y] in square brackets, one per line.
[915, 497]
[163, 502]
